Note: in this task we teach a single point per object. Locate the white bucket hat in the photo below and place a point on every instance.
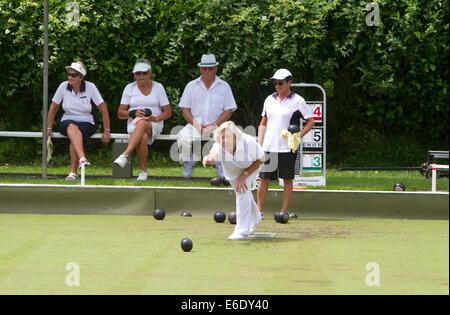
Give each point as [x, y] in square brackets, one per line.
[208, 61]
[281, 74]
[77, 67]
[142, 65]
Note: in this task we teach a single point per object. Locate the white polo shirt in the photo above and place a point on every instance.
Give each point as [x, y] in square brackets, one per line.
[133, 97]
[208, 105]
[247, 151]
[281, 114]
[78, 107]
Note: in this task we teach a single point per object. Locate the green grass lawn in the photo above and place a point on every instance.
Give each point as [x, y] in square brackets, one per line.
[336, 180]
[140, 255]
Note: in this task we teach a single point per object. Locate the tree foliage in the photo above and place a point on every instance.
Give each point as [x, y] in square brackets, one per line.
[389, 81]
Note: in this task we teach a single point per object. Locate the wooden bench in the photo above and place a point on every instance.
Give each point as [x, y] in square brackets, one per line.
[121, 139]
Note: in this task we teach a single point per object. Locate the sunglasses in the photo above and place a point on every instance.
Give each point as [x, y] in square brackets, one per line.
[73, 75]
[280, 83]
[141, 73]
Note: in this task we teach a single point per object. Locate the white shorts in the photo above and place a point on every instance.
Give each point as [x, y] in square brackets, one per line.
[157, 128]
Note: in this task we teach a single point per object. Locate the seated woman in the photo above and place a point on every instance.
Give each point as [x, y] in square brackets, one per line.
[144, 103]
[78, 98]
[241, 158]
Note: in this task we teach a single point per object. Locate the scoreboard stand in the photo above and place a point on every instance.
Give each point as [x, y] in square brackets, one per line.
[311, 156]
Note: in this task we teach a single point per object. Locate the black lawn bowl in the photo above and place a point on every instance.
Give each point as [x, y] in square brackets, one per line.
[232, 217]
[276, 216]
[283, 217]
[159, 214]
[399, 187]
[186, 214]
[220, 216]
[186, 244]
[293, 129]
[147, 112]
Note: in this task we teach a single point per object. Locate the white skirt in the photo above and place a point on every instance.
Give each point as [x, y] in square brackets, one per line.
[157, 128]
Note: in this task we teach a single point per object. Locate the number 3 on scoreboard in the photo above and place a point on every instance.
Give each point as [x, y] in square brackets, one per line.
[317, 161]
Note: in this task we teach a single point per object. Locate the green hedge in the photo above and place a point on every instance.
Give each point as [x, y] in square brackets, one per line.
[387, 85]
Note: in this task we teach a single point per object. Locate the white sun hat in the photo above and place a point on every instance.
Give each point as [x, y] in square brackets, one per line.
[142, 65]
[77, 67]
[208, 61]
[281, 74]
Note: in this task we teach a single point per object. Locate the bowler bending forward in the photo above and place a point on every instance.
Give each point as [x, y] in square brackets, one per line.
[241, 157]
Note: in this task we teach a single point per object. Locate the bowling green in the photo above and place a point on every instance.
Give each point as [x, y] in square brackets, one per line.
[103, 254]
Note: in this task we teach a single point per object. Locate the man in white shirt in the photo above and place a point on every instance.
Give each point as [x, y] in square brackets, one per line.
[207, 102]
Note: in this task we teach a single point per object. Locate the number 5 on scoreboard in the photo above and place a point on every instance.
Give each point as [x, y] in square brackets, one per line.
[317, 135]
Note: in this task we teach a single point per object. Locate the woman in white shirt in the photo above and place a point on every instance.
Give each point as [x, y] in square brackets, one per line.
[145, 104]
[241, 158]
[78, 98]
[281, 109]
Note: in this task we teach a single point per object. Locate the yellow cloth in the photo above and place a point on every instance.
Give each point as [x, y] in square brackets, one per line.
[293, 139]
[49, 149]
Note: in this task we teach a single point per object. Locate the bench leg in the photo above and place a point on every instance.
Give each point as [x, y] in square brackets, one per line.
[119, 146]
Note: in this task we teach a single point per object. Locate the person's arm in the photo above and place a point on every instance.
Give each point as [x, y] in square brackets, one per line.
[122, 111]
[226, 115]
[106, 135]
[307, 127]
[262, 130]
[208, 129]
[241, 181]
[51, 118]
[211, 158]
[187, 115]
[166, 114]
[252, 168]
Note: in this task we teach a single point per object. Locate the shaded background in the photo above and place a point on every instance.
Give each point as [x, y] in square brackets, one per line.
[387, 85]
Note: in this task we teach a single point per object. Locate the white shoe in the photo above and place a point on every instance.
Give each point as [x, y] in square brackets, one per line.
[121, 161]
[72, 176]
[142, 175]
[238, 237]
[83, 161]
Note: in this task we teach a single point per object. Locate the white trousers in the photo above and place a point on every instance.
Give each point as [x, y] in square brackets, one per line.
[247, 212]
[189, 144]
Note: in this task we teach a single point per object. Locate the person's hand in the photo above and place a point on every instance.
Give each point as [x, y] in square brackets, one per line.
[140, 113]
[208, 129]
[106, 136]
[153, 118]
[208, 160]
[241, 185]
[49, 133]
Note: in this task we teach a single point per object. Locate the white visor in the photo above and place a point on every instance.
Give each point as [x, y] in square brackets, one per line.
[77, 67]
[141, 67]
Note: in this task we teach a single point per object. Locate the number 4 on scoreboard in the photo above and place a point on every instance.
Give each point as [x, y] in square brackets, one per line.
[316, 109]
[317, 113]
